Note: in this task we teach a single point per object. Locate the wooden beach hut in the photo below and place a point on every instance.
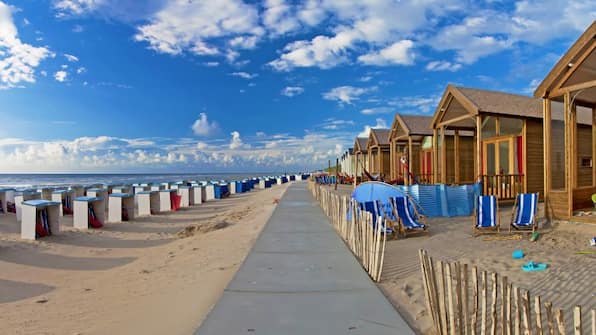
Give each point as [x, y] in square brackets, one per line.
[378, 153]
[410, 143]
[570, 131]
[505, 154]
[360, 157]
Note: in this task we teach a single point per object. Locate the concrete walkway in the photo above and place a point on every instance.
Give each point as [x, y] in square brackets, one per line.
[300, 278]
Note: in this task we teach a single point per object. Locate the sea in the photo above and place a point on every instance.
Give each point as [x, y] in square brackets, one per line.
[23, 181]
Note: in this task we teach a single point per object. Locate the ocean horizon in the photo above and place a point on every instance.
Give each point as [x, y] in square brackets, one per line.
[28, 180]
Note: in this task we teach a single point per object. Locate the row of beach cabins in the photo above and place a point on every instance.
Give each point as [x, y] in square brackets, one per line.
[39, 210]
[508, 143]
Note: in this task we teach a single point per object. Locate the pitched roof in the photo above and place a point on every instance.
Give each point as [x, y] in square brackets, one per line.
[502, 103]
[381, 135]
[417, 124]
[361, 143]
[567, 63]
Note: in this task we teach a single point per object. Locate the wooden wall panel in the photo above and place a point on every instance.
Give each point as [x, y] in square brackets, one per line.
[584, 150]
[534, 157]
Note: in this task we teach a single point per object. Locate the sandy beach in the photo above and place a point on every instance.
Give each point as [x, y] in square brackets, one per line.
[153, 275]
[568, 281]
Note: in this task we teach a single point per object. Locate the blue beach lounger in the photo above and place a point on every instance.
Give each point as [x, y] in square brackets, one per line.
[408, 218]
[524, 212]
[375, 207]
[486, 214]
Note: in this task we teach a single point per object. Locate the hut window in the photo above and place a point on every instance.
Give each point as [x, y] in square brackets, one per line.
[586, 162]
[510, 126]
[489, 127]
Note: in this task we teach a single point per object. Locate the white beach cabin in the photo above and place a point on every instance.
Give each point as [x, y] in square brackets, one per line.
[196, 195]
[43, 212]
[184, 193]
[24, 196]
[121, 207]
[86, 209]
[64, 197]
[148, 202]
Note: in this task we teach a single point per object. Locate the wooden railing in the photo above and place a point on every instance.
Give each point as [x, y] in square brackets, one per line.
[504, 186]
[425, 178]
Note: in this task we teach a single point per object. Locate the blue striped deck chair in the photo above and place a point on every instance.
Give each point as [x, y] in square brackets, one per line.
[376, 208]
[408, 218]
[486, 214]
[523, 217]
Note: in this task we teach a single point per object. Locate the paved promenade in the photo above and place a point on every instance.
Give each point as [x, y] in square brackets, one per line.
[300, 278]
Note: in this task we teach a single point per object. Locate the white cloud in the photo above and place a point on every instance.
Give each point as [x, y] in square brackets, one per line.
[398, 53]
[423, 104]
[203, 127]
[381, 124]
[203, 49]
[60, 76]
[244, 75]
[236, 142]
[291, 91]
[77, 7]
[71, 58]
[334, 124]
[183, 25]
[244, 42]
[18, 60]
[81, 70]
[211, 64]
[346, 94]
[26, 22]
[443, 66]
[376, 110]
[202, 145]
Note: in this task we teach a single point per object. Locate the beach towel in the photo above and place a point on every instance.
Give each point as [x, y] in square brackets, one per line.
[93, 220]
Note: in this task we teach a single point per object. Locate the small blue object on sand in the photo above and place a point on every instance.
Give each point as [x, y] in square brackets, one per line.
[531, 266]
[518, 254]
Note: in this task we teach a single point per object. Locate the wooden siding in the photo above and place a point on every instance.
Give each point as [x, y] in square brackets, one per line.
[557, 156]
[466, 160]
[582, 197]
[534, 157]
[584, 150]
[450, 155]
[386, 166]
[557, 205]
[415, 160]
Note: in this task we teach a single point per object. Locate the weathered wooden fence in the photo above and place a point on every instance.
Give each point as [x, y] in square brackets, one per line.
[461, 302]
[356, 228]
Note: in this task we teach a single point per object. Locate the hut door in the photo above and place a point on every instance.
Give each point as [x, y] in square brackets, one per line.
[498, 157]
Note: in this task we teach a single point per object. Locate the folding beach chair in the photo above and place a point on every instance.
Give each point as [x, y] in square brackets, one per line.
[486, 214]
[408, 218]
[93, 220]
[524, 212]
[376, 208]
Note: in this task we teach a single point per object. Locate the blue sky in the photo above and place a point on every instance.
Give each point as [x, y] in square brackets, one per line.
[230, 85]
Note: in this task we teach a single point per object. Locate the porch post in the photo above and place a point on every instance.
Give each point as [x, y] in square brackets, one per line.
[478, 146]
[456, 155]
[574, 155]
[568, 155]
[435, 160]
[443, 157]
[410, 160]
[546, 103]
[593, 146]
[391, 159]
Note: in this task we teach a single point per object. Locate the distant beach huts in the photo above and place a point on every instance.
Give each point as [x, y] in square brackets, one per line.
[508, 143]
[92, 206]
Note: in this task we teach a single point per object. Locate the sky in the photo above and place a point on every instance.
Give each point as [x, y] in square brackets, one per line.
[249, 86]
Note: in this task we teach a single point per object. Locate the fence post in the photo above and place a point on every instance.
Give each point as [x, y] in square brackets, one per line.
[560, 321]
[448, 277]
[484, 303]
[526, 315]
[465, 302]
[503, 304]
[493, 307]
[577, 320]
[538, 311]
[475, 301]
[548, 309]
